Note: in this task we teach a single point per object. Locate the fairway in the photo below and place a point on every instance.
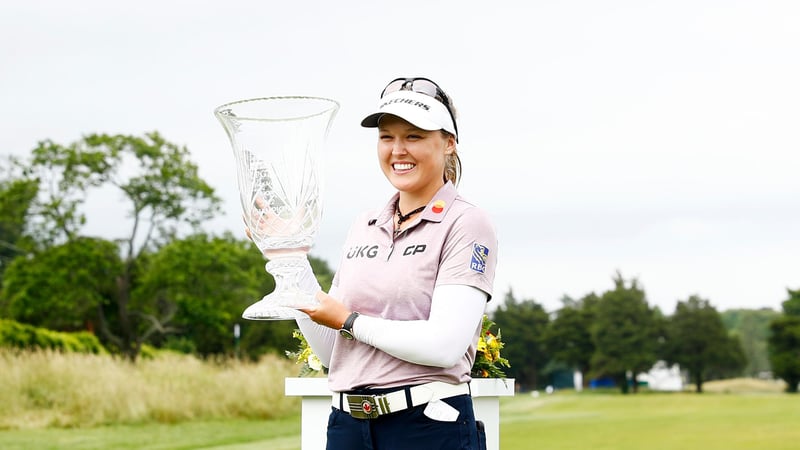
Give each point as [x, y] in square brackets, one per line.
[283, 434]
[565, 420]
[652, 421]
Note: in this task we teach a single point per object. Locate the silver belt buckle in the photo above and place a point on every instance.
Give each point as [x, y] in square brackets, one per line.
[367, 406]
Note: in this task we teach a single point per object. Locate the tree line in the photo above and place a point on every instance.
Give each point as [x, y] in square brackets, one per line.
[618, 335]
[165, 282]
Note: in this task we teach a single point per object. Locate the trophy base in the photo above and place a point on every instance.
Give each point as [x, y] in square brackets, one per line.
[283, 303]
[279, 306]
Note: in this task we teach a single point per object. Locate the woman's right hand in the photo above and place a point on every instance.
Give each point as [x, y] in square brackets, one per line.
[330, 312]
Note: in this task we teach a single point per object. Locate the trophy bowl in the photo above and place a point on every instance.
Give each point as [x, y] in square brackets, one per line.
[276, 143]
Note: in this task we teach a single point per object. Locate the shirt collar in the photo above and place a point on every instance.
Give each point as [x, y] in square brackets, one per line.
[434, 211]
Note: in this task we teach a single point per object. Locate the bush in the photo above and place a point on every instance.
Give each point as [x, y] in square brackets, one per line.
[21, 336]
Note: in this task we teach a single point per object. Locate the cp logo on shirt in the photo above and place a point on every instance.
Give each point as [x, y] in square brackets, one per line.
[414, 249]
[479, 255]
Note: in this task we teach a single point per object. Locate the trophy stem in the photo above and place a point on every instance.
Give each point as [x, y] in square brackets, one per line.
[283, 302]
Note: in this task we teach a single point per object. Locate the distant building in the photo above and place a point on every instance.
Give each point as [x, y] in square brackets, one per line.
[663, 378]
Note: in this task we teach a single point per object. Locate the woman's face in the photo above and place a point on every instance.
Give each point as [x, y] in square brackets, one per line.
[412, 159]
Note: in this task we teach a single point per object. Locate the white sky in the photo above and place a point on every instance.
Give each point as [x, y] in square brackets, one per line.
[658, 138]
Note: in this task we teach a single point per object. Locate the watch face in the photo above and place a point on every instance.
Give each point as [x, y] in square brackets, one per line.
[346, 334]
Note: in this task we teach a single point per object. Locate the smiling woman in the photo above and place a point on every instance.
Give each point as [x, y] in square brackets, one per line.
[400, 326]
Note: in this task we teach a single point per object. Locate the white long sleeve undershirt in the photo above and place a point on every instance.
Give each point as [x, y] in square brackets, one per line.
[440, 341]
[319, 337]
[455, 314]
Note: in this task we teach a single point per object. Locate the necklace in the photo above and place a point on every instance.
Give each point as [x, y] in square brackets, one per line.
[403, 217]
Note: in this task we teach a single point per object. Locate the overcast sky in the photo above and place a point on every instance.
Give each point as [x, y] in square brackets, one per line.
[657, 138]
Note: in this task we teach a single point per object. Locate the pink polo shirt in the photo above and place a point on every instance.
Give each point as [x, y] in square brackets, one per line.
[379, 275]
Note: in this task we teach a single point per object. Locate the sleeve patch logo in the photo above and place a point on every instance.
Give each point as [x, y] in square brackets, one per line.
[479, 255]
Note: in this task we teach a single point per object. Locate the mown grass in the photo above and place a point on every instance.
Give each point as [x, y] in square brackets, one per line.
[233, 434]
[652, 421]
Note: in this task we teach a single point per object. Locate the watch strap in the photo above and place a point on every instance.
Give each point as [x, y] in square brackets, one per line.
[347, 327]
[348, 323]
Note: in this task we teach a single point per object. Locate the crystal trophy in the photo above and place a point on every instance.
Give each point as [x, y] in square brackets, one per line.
[276, 144]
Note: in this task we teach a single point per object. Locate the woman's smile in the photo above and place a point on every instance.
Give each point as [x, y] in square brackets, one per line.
[412, 159]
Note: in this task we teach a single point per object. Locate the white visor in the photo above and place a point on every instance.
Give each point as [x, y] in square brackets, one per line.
[423, 111]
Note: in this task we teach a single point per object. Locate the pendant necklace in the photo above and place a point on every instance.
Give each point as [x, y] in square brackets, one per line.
[403, 217]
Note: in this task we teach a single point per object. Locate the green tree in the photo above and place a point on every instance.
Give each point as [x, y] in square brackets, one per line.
[784, 342]
[625, 333]
[698, 341]
[16, 197]
[203, 284]
[523, 324]
[568, 337]
[63, 287]
[161, 191]
[751, 326]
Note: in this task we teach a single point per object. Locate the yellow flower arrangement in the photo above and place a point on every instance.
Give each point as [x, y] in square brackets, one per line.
[311, 364]
[488, 361]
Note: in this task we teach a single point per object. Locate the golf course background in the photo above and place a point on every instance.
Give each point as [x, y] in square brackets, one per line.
[50, 400]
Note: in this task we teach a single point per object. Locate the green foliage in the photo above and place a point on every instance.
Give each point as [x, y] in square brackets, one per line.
[568, 337]
[625, 333]
[203, 283]
[784, 343]
[16, 196]
[698, 341]
[155, 177]
[161, 194]
[523, 324]
[751, 326]
[62, 287]
[791, 307]
[21, 336]
[197, 287]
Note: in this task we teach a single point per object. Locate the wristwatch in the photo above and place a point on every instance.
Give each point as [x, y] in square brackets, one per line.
[347, 328]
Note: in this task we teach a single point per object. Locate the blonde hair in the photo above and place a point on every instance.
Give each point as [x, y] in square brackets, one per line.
[452, 166]
[452, 162]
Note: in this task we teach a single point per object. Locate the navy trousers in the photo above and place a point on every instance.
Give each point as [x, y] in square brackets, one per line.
[409, 429]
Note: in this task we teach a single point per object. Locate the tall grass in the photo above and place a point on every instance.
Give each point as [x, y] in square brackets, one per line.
[46, 389]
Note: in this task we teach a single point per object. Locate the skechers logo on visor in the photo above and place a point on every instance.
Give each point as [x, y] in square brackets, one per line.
[479, 255]
[409, 101]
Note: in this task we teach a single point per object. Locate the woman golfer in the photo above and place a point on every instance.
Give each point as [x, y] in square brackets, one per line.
[398, 329]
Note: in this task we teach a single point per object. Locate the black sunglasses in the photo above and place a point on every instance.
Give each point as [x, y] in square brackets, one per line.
[422, 86]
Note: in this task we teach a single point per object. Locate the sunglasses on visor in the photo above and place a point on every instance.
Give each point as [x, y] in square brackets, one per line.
[422, 86]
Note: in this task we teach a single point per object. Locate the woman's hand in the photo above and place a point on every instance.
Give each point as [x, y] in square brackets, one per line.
[264, 224]
[331, 312]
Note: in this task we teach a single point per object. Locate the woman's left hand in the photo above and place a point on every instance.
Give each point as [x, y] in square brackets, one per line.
[330, 312]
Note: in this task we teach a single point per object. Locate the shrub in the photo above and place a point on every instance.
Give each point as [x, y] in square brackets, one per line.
[21, 336]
